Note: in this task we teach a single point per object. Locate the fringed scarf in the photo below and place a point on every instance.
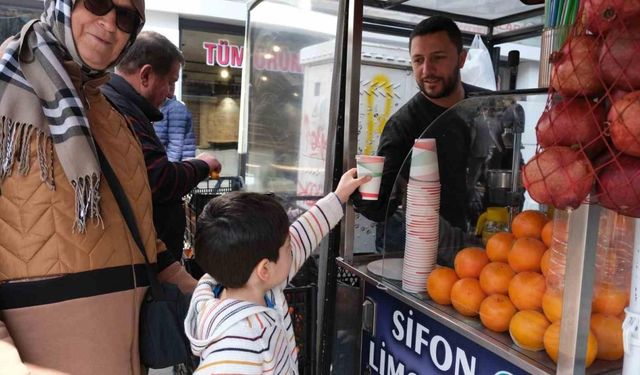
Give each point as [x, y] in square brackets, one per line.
[38, 99]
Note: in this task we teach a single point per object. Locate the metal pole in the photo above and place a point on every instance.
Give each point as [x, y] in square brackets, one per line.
[245, 94]
[579, 276]
[344, 92]
[352, 101]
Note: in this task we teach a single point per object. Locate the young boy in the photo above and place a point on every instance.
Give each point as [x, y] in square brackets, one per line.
[238, 321]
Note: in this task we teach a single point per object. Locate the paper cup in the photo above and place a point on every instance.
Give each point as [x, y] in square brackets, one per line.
[370, 166]
[424, 162]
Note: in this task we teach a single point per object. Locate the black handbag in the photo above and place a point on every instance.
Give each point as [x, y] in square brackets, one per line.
[163, 342]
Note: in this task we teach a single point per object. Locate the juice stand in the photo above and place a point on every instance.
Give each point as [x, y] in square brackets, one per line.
[319, 82]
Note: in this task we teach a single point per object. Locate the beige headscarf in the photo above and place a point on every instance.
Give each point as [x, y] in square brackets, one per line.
[38, 99]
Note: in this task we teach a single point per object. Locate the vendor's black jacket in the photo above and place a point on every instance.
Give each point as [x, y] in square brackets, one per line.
[169, 181]
[453, 142]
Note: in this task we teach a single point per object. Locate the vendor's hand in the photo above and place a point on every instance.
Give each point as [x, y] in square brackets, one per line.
[349, 183]
[474, 202]
[212, 162]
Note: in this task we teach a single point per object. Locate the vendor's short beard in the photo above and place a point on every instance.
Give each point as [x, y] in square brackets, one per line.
[450, 84]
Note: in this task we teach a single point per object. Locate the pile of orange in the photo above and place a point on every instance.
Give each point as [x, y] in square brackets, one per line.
[506, 285]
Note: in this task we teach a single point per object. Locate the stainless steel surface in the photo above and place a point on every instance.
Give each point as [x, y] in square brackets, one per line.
[515, 166]
[352, 101]
[369, 316]
[499, 178]
[499, 343]
[578, 288]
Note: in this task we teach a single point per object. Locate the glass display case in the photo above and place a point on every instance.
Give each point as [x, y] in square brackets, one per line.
[307, 112]
[417, 234]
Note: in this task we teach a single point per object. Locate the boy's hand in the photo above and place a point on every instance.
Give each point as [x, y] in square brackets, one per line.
[348, 184]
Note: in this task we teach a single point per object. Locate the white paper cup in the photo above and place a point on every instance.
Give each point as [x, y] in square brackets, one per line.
[370, 166]
[424, 161]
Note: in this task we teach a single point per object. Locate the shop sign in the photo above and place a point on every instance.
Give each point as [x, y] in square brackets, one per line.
[225, 55]
[408, 342]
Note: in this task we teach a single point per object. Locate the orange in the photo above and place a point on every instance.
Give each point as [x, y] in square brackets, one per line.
[499, 245]
[470, 261]
[526, 290]
[552, 343]
[544, 262]
[526, 254]
[466, 296]
[552, 305]
[528, 224]
[495, 278]
[439, 284]
[609, 300]
[527, 329]
[608, 332]
[547, 233]
[496, 312]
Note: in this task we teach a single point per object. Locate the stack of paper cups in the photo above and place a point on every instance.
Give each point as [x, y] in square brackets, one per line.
[422, 215]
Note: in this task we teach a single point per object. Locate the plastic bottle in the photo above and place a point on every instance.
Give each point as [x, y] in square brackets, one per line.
[614, 259]
[558, 248]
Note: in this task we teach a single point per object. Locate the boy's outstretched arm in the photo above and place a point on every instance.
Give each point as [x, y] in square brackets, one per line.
[310, 228]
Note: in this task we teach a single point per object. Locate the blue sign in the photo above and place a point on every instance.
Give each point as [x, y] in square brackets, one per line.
[407, 342]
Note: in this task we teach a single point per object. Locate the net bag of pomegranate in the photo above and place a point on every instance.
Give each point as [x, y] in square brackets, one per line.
[589, 133]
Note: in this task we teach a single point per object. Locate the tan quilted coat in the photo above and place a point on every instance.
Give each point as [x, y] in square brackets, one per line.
[96, 334]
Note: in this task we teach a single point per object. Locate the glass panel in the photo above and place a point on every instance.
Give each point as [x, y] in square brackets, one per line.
[289, 97]
[516, 25]
[487, 9]
[386, 83]
[431, 214]
[211, 80]
[412, 19]
[529, 67]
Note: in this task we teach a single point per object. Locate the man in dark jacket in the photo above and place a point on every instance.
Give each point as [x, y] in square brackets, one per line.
[436, 58]
[139, 87]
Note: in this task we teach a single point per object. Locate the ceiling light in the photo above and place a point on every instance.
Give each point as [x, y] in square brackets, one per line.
[276, 48]
[224, 73]
[268, 56]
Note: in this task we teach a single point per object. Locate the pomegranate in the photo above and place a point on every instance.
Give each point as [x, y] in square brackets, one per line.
[575, 67]
[624, 120]
[558, 176]
[618, 186]
[572, 122]
[616, 94]
[603, 15]
[618, 59]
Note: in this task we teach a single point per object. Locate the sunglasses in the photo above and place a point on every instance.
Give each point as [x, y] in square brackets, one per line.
[127, 19]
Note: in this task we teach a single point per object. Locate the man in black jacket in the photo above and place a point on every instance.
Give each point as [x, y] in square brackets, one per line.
[437, 56]
[139, 87]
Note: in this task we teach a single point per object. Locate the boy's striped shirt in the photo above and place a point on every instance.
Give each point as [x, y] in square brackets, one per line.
[239, 337]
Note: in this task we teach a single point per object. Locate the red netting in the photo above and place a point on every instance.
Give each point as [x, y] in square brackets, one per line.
[589, 134]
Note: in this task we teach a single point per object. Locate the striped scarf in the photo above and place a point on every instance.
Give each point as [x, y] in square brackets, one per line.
[38, 99]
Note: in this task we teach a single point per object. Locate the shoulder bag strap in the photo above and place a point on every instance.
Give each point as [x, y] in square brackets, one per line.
[127, 213]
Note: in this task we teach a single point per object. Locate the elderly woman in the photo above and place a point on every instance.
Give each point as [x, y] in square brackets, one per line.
[71, 277]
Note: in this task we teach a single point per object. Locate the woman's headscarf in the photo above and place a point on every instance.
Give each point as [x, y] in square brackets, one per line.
[38, 99]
